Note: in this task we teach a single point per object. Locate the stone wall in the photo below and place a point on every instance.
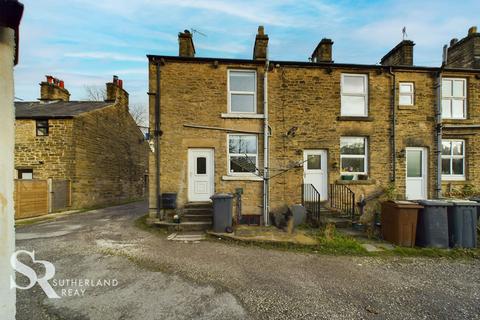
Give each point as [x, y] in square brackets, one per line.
[49, 156]
[306, 97]
[196, 94]
[110, 158]
[102, 152]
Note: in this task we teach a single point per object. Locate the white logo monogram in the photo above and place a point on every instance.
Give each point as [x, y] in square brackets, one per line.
[32, 275]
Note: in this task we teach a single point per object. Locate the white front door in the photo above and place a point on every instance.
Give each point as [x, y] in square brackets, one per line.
[315, 171]
[200, 174]
[416, 180]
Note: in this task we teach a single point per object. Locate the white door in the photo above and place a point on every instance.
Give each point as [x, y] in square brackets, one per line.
[416, 180]
[315, 171]
[200, 174]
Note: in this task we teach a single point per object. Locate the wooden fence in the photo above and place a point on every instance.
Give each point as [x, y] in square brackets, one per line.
[35, 198]
[31, 198]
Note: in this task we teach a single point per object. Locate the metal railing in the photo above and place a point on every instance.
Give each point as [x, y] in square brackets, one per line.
[342, 198]
[311, 201]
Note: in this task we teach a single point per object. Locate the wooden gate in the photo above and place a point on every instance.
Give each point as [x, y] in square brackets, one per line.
[60, 194]
[31, 198]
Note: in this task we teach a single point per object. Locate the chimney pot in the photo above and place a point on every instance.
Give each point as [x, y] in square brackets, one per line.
[115, 91]
[323, 51]
[186, 47]
[53, 90]
[400, 55]
[465, 53]
[261, 30]
[260, 49]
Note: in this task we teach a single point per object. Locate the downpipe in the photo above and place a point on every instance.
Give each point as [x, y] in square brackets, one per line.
[266, 206]
[157, 142]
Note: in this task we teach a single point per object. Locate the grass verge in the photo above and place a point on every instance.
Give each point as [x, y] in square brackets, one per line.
[334, 244]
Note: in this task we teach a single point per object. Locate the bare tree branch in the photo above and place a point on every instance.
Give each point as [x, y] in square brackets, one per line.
[95, 93]
[139, 114]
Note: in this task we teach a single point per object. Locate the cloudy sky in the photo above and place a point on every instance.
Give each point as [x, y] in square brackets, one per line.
[85, 42]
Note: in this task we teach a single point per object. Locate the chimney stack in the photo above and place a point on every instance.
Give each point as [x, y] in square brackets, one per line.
[115, 92]
[401, 55]
[260, 49]
[185, 44]
[323, 52]
[465, 53]
[53, 89]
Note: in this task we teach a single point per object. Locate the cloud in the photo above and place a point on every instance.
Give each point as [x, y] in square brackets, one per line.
[104, 56]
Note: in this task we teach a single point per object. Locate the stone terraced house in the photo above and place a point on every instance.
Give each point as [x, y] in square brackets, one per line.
[287, 132]
[94, 144]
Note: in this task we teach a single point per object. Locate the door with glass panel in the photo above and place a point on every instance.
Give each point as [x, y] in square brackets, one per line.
[315, 171]
[200, 174]
[416, 178]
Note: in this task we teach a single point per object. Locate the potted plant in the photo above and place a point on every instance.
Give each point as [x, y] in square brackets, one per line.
[347, 176]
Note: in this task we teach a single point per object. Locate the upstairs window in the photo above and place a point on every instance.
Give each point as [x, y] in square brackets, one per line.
[42, 127]
[242, 153]
[454, 98]
[453, 159]
[242, 91]
[354, 91]
[406, 94]
[353, 155]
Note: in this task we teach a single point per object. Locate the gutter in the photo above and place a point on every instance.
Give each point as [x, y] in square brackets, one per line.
[394, 123]
[157, 134]
[266, 203]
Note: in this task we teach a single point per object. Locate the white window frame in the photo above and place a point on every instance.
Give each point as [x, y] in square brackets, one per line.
[230, 92]
[410, 94]
[364, 94]
[229, 173]
[364, 156]
[451, 98]
[451, 156]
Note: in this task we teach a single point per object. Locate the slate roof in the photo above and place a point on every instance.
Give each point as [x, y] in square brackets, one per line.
[60, 109]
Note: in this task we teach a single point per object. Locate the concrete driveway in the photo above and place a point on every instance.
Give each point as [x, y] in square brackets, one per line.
[144, 276]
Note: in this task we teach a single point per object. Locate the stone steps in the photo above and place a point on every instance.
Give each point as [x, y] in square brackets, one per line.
[198, 212]
[329, 216]
[198, 217]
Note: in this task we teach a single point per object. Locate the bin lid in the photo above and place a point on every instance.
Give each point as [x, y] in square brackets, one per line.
[434, 203]
[463, 202]
[222, 196]
[405, 204]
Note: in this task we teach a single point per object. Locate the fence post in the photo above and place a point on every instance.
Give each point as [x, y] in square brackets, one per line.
[50, 194]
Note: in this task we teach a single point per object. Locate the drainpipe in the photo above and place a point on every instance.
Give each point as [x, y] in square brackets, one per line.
[394, 124]
[438, 132]
[157, 135]
[265, 146]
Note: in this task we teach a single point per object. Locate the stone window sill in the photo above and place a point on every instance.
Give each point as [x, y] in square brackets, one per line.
[242, 116]
[349, 118]
[242, 178]
[414, 107]
[356, 182]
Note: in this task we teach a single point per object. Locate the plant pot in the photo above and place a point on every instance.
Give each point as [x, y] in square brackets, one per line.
[347, 177]
[362, 177]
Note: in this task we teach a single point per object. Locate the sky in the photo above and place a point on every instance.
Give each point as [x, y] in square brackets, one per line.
[85, 42]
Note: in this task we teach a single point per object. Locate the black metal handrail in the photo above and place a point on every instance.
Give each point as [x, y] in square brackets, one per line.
[311, 201]
[342, 198]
